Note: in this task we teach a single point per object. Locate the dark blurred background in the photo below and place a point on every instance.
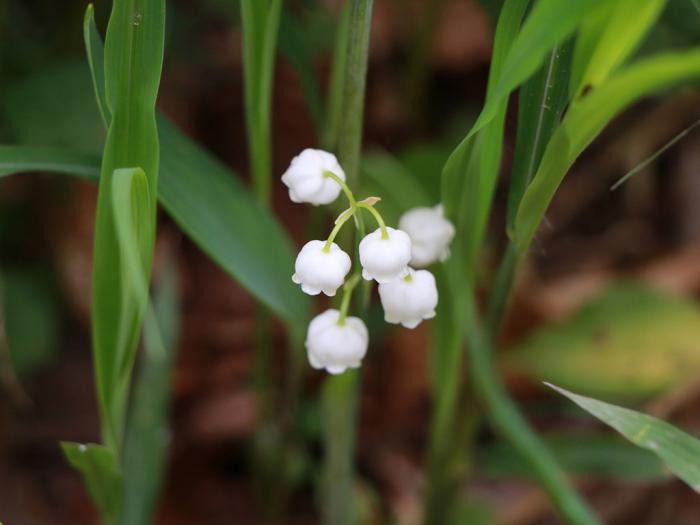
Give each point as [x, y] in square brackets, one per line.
[607, 304]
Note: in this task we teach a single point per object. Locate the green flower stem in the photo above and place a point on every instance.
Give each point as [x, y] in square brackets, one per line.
[338, 225]
[506, 418]
[344, 187]
[348, 288]
[340, 393]
[500, 295]
[377, 216]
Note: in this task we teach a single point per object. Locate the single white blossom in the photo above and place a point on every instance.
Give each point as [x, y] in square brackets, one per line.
[409, 299]
[318, 270]
[430, 234]
[334, 346]
[307, 180]
[385, 259]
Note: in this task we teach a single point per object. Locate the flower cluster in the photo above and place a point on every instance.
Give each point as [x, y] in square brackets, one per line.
[389, 256]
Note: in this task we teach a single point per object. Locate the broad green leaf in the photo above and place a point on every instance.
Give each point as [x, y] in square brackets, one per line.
[133, 58]
[678, 450]
[586, 118]
[260, 25]
[540, 106]
[18, 159]
[31, 318]
[596, 456]
[608, 35]
[629, 343]
[218, 212]
[100, 470]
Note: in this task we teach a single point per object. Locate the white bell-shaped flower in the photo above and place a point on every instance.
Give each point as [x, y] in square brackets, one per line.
[409, 299]
[334, 346]
[430, 233]
[385, 259]
[307, 180]
[318, 270]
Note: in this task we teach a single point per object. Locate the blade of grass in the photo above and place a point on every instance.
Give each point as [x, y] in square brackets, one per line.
[678, 450]
[651, 158]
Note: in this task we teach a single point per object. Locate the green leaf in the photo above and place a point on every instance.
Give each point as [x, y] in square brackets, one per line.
[678, 450]
[133, 57]
[608, 35]
[211, 206]
[218, 213]
[549, 23]
[541, 104]
[470, 173]
[586, 118]
[260, 25]
[148, 434]
[95, 56]
[595, 456]
[506, 31]
[146, 439]
[100, 471]
[18, 159]
[631, 343]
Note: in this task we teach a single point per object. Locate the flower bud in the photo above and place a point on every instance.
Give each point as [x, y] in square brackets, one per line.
[317, 270]
[410, 299]
[306, 177]
[333, 346]
[385, 259]
[430, 235]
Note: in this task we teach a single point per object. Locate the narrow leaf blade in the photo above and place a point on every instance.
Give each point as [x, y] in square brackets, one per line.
[677, 449]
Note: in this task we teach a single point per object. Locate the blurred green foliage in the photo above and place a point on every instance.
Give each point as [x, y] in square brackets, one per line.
[31, 317]
[630, 342]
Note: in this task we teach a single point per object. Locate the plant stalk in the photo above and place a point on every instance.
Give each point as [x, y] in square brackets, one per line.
[341, 393]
